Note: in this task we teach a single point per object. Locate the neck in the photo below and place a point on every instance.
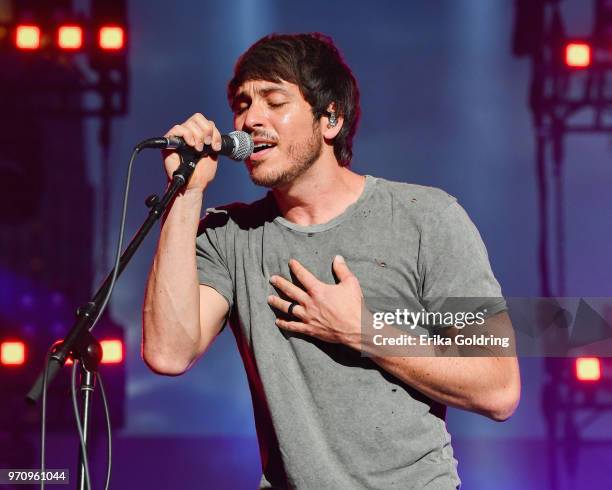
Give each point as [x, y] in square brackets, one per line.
[323, 192]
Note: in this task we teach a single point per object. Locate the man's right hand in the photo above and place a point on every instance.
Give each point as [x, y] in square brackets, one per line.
[196, 131]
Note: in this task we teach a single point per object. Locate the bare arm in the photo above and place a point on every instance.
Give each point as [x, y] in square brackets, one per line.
[489, 385]
[180, 316]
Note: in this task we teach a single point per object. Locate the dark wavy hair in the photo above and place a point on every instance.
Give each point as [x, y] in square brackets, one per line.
[314, 64]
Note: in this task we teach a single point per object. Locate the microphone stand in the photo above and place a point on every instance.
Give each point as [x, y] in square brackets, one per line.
[79, 342]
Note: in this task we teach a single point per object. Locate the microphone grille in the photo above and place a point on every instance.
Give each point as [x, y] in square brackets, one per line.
[243, 145]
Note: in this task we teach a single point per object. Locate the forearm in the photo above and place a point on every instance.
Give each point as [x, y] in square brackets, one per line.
[481, 381]
[171, 326]
[477, 384]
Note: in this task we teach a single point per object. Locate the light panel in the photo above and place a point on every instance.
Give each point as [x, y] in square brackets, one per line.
[111, 38]
[27, 36]
[578, 55]
[588, 369]
[112, 351]
[12, 353]
[70, 37]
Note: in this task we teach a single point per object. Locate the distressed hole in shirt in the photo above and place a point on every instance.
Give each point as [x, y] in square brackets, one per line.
[413, 199]
[380, 263]
[394, 390]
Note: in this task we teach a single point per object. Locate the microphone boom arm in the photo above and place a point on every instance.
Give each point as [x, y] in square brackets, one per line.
[87, 314]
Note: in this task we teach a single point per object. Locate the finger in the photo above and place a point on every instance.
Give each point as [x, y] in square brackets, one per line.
[289, 289]
[182, 131]
[200, 120]
[341, 269]
[291, 326]
[198, 134]
[171, 153]
[282, 305]
[308, 280]
[206, 126]
[216, 138]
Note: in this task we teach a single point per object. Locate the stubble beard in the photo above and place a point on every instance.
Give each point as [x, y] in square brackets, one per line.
[302, 156]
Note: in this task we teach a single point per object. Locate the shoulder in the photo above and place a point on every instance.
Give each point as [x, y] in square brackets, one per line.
[419, 200]
[237, 214]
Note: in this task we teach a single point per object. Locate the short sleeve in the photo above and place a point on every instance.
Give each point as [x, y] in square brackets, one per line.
[210, 257]
[453, 265]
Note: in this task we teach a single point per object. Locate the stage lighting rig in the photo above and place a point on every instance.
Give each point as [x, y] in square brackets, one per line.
[570, 92]
[60, 66]
[53, 50]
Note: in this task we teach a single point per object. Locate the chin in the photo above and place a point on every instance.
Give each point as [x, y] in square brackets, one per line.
[267, 175]
[268, 179]
[263, 174]
[274, 172]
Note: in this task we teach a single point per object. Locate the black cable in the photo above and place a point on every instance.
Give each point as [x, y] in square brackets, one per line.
[80, 429]
[43, 422]
[73, 377]
[126, 193]
[75, 407]
[108, 433]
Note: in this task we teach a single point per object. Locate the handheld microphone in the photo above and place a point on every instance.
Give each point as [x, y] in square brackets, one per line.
[236, 145]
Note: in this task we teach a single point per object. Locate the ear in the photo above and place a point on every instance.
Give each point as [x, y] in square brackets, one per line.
[328, 130]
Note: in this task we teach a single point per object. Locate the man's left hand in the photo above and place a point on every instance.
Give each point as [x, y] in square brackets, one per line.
[330, 312]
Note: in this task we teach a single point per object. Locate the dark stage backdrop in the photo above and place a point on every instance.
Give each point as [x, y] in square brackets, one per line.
[444, 104]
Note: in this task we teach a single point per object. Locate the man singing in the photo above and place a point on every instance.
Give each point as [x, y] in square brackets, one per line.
[295, 271]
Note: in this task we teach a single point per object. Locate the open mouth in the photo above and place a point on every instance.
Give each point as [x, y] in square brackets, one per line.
[260, 150]
[262, 147]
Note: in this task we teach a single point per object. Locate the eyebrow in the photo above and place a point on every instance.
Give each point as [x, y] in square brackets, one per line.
[263, 92]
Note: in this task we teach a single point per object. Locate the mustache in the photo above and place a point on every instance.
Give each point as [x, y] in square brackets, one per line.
[263, 134]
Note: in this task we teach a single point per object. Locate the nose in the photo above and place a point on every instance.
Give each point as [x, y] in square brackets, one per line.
[254, 117]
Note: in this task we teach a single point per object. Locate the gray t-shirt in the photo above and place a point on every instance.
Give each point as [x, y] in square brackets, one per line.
[327, 417]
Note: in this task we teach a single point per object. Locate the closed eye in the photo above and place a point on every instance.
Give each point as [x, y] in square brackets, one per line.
[240, 109]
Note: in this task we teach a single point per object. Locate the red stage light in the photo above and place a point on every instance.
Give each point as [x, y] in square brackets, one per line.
[111, 38]
[112, 351]
[578, 55]
[588, 369]
[70, 37]
[12, 353]
[27, 37]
